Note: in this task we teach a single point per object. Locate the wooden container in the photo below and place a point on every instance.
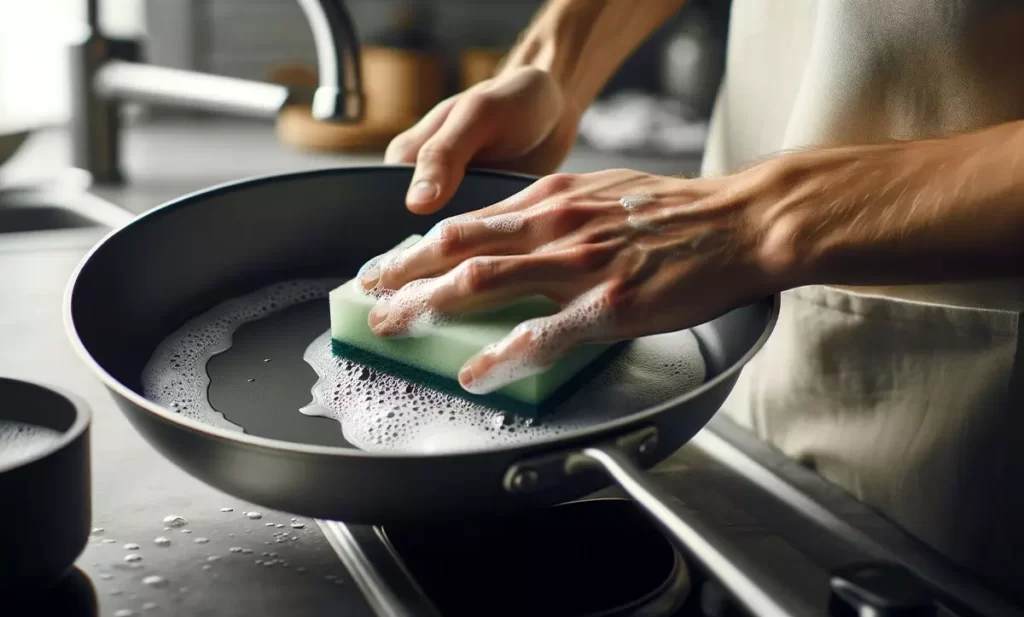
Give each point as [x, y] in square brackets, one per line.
[400, 86]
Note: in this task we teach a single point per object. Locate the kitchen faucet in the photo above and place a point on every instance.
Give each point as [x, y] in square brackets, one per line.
[106, 71]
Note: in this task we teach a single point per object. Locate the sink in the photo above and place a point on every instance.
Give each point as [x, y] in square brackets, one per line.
[50, 209]
[22, 218]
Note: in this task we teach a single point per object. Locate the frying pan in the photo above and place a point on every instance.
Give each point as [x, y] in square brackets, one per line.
[143, 281]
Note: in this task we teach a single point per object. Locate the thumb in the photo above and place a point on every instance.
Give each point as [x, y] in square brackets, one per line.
[441, 161]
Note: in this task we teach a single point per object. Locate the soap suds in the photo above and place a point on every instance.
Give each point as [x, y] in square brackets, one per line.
[175, 375]
[510, 222]
[379, 412]
[585, 319]
[634, 202]
[20, 441]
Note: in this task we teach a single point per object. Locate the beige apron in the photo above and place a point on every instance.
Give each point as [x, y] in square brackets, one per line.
[910, 398]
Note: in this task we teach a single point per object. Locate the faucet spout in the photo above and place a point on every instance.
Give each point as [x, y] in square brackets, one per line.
[339, 95]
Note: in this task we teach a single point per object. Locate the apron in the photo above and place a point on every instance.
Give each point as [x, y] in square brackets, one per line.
[910, 398]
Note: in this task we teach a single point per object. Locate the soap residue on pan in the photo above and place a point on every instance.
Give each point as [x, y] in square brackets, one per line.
[381, 412]
[175, 375]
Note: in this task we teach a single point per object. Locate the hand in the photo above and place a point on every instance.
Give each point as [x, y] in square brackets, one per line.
[625, 254]
[518, 121]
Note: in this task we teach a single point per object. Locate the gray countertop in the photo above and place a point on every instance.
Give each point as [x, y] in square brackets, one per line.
[134, 488]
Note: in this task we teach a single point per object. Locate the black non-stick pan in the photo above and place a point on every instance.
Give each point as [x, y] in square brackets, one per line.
[148, 278]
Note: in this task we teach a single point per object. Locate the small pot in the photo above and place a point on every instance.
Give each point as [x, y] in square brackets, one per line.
[45, 505]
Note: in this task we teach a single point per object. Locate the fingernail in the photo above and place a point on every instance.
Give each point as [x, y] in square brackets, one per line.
[466, 376]
[379, 314]
[423, 192]
[370, 278]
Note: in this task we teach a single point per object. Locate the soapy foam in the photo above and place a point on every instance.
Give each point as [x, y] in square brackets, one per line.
[175, 375]
[509, 222]
[380, 412]
[635, 202]
[585, 319]
[20, 441]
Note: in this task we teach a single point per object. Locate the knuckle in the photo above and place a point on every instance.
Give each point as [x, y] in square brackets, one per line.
[588, 258]
[434, 153]
[476, 275]
[451, 240]
[481, 103]
[556, 183]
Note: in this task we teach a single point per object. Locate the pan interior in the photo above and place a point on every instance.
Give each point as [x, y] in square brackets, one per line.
[262, 363]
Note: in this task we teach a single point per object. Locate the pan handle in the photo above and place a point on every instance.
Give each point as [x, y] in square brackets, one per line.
[685, 530]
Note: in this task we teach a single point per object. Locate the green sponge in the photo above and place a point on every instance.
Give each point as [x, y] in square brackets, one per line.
[434, 360]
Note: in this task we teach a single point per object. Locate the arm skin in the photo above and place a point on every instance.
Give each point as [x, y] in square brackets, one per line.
[525, 118]
[581, 43]
[914, 212]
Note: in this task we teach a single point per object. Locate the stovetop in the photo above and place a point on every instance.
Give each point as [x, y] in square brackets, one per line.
[812, 545]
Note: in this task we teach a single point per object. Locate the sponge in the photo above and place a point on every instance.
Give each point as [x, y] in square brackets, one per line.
[434, 360]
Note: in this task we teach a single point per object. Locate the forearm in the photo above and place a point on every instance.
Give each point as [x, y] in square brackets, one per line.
[903, 213]
[582, 42]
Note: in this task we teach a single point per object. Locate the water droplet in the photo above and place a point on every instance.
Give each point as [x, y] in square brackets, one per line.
[235, 549]
[167, 528]
[251, 379]
[213, 558]
[133, 558]
[330, 577]
[116, 592]
[175, 521]
[96, 530]
[106, 577]
[258, 561]
[267, 564]
[279, 525]
[148, 606]
[253, 516]
[300, 569]
[266, 359]
[227, 509]
[201, 540]
[124, 612]
[109, 540]
[247, 551]
[207, 566]
[298, 525]
[155, 581]
[183, 590]
[161, 541]
[268, 524]
[131, 546]
[186, 531]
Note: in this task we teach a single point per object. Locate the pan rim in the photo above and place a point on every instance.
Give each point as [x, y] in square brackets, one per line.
[590, 434]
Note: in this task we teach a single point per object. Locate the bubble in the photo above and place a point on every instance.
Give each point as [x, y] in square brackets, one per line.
[20, 442]
[186, 531]
[253, 516]
[96, 530]
[227, 509]
[213, 558]
[235, 549]
[201, 540]
[297, 525]
[124, 612]
[109, 540]
[155, 581]
[162, 541]
[133, 558]
[509, 222]
[175, 521]
[131, 547]
[635, 202]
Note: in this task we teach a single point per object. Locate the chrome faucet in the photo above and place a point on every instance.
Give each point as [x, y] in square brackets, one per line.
[106, 71]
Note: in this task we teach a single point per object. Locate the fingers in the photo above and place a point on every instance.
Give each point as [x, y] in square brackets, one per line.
[535, 345]
[442, 159]
[481, 284]
[405, 147]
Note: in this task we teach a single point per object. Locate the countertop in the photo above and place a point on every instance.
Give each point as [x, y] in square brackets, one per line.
[134, 488]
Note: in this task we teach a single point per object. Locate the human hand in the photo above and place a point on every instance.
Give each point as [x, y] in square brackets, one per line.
[519, 121]
[625, 254]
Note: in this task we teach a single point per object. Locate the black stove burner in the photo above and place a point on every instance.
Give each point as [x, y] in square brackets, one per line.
[584, 559]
